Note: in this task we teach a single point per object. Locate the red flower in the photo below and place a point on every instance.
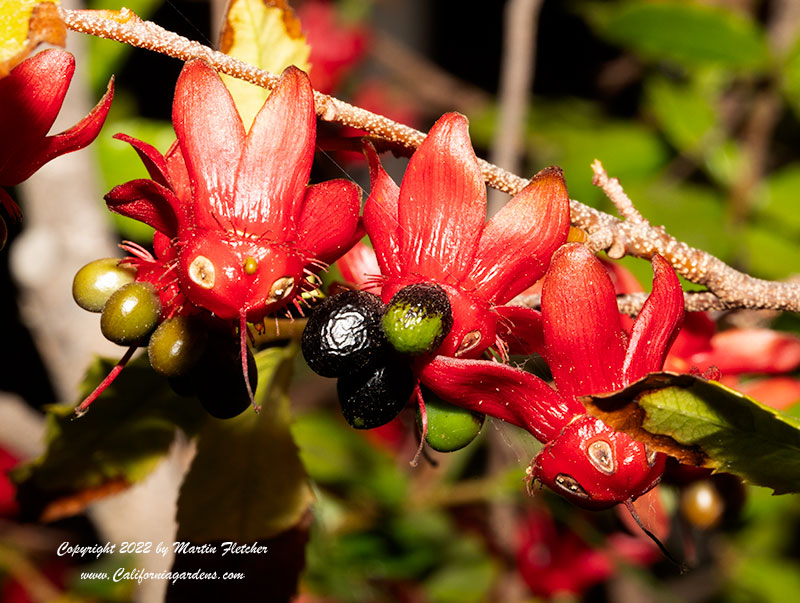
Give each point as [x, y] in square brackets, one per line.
[30, 99]
[726, 355]
[335, 46]
[588, 353]
[433, 229]
[159, 271]
[246, 227]
[555, 560]
[8, 490]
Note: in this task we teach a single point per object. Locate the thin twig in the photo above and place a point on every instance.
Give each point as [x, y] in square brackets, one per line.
[733, 288]
[631, 303]
[616, 194]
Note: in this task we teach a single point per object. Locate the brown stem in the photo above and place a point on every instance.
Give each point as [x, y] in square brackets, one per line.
[631, 303]
[733, 288]
[640, 239]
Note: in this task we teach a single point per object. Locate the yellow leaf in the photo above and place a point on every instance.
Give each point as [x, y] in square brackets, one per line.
[264, 33]
[24, 24]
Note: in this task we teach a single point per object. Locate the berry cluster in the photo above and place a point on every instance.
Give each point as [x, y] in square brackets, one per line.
[370, 347]
[195, 351]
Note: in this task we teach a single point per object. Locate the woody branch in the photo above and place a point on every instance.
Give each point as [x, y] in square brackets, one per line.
[728, 288]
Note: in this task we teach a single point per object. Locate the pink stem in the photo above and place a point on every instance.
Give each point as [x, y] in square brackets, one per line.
[83, 407]
[424, 415]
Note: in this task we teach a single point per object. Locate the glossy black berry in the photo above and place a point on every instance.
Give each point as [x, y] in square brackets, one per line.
[217, 379]
[97, 281]
[418, 318]
[374, 397]
[344, 334]
[177, 345]
[131, 313]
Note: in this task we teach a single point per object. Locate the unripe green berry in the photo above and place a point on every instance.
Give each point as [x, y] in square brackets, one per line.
[450, 427]
[130, 314]
[176, 346]
[418, 318]
[96, 281]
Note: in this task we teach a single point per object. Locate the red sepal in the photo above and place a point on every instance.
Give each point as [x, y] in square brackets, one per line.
[585, 341]
[276, 161]
[211, 136]
[153, 160]
[320, 234]
[380, 214]
[657, 325]
[521, 329]
[30, 99]
[146, 201]
[515, 247]
[82, 133]
[442, 204]
[359, 267]
[737, 351]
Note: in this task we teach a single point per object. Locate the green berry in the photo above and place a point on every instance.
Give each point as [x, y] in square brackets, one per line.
[450, 427]
[96, 281]
[130, 314]
[176, 345]
[418, 318]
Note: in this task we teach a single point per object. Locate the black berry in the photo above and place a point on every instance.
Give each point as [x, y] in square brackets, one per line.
[217, 378]
[374, 397]
[344, 334]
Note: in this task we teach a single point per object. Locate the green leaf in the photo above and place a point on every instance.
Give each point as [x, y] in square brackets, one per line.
[467, 581]
[725, 161]
[127, 431]
[667, 204]
[767, 579]
[777, 200]
[266, 34]
[685, 32]
[770, 253]
[684, 112]
[335, 454]
[705, 423]
[247, 482]
[790, 78]
[573, 134]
